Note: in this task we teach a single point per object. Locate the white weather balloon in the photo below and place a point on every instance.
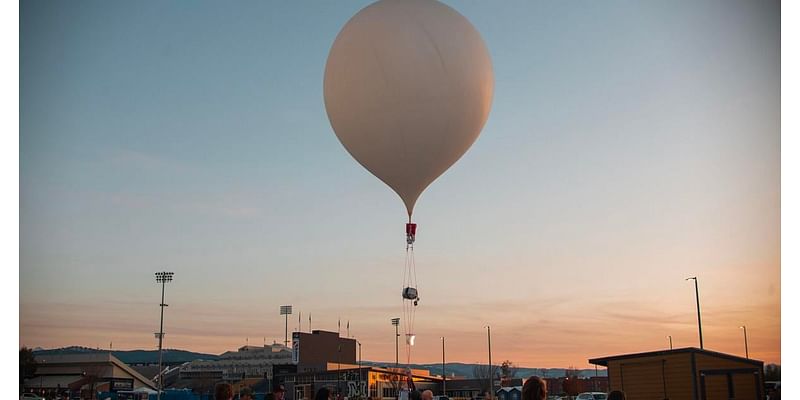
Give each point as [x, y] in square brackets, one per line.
[408, 87]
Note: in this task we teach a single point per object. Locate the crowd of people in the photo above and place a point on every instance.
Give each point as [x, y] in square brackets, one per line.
[224, 391]
[535, 388]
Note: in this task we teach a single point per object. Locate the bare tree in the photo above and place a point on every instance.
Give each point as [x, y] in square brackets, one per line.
[772, 372]
[94, 375]
[570, 383]
[395, 382]
[27, 366]
[485, 375]
[508, 370]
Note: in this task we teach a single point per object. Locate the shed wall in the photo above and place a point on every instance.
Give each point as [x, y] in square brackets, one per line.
[657, 377]
[746, 378]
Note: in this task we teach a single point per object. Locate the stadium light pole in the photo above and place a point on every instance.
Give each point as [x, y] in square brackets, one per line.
[746, 351]
[162, 278]
[286, 311]
[396, 323]
[697, 298]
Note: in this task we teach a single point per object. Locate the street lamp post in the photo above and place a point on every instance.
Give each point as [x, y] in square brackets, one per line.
[697, 298]
[746, 351]
[444, 373]
[338, 368]
[491, 367]
[286, 311]
[359, 368]
[162, 278]
[396, 323]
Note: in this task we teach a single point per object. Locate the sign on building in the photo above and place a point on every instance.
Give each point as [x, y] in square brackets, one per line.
[121, 384]
[355, 388]
[295, 348]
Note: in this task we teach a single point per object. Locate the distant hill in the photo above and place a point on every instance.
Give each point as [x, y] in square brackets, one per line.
[174, 356]
[466, 370]
[132, 357]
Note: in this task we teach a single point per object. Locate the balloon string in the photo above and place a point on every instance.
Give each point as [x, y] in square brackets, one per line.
[414, 269]
[405, 274]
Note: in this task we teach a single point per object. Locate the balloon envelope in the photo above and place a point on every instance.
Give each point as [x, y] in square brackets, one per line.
[408, 87]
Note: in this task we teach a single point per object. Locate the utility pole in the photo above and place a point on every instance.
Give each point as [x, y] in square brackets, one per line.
[162, 278]
[491, 367]
[697, 297]
[444, 373]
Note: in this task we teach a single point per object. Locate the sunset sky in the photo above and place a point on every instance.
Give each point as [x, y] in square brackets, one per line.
[630, 145]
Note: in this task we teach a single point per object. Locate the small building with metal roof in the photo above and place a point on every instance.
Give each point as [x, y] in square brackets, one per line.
[92, 372]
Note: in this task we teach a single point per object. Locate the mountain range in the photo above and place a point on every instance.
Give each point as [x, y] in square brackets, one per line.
[468, 370]
[175, 356]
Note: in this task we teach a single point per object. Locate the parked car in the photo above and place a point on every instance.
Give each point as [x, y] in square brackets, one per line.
[773, 389]
[592, 396]
[31, 396]
[772, 385]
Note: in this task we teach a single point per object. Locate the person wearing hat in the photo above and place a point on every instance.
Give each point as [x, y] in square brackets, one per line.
[246, 394]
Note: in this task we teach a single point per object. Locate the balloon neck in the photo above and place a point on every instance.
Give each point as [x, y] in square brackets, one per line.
[411, 234]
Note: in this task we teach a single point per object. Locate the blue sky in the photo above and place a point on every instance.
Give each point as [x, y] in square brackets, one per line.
[630, 144]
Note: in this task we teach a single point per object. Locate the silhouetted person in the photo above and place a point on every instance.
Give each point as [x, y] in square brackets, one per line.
[616, 395]
[410, 381]
[534, 388]
[246, 394]
[414, 395]
[323, 394]
[223, 391]
[278, 392]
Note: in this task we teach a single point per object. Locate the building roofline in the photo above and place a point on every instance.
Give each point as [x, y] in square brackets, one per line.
[127, 368]
[368, 368]
[603, 361]
[96, 358]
